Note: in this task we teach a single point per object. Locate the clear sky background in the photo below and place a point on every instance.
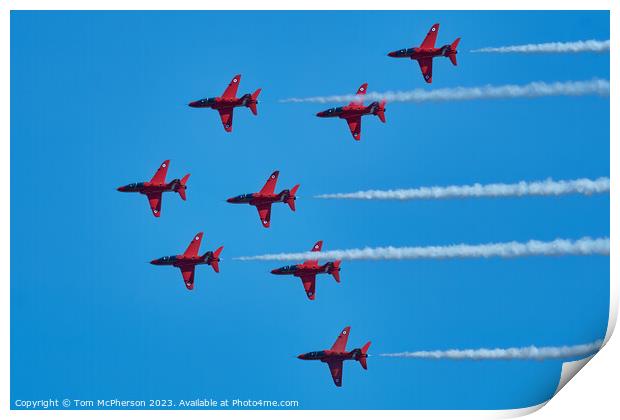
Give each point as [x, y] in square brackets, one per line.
[99, 100]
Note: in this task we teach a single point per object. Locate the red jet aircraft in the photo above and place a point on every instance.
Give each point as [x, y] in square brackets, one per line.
[188, 261]
[226, 103]
[157, 186]
[355, 110]
[266, 197]
[427, 51]
[338, 354]
[309, 269]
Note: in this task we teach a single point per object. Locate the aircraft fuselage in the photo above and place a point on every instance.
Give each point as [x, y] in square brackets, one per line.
[300, 270]
[151, 187]
[183, 261]
[418, 53]
[256, 199]
[223, 103]
[329, 355]
[349, 111]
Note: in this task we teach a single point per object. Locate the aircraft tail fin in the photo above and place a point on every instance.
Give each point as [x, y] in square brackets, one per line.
[381, 111]
[182, 187]
[364, 358]
[216, 259]
[452, 55]
[217, 252]
[291, 198]
[455, 44]
[254, 102]
[335, 270]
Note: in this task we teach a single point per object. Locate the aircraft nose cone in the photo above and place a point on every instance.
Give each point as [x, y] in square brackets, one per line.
[391, 54]
[274, 271]
[301, 356]
[119, 189]
[193, 104]
[154, 262]
[230, 200]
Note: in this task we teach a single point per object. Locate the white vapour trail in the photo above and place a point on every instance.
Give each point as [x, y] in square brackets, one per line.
[583, 246]
[531, 90]
[591, 45]
[548, 187]
[512, 353]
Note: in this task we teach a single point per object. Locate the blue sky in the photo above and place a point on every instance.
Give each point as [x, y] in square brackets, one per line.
[99, 100]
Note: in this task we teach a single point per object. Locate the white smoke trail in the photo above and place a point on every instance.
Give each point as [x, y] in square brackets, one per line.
[583, 246]
[512, 353]
[531, 90]
[591, 45]
[520, 189]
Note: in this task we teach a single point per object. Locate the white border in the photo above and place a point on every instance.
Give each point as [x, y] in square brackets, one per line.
[595, 392]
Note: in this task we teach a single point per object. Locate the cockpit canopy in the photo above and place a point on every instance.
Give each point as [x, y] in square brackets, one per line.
[402, 53]
[206, 101]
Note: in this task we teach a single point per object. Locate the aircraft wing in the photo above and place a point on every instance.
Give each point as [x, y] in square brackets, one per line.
[226, 116]
[231, 89]
[309, 283]
[355, 125]
[194, 246]
[188, 276]
[341, 342]
[264, 212]
[270, 185]
[316, 248]
[335, 368]
[160, 175]
[431, 37]
[155, 203]
[360, 94]
[426, 65]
